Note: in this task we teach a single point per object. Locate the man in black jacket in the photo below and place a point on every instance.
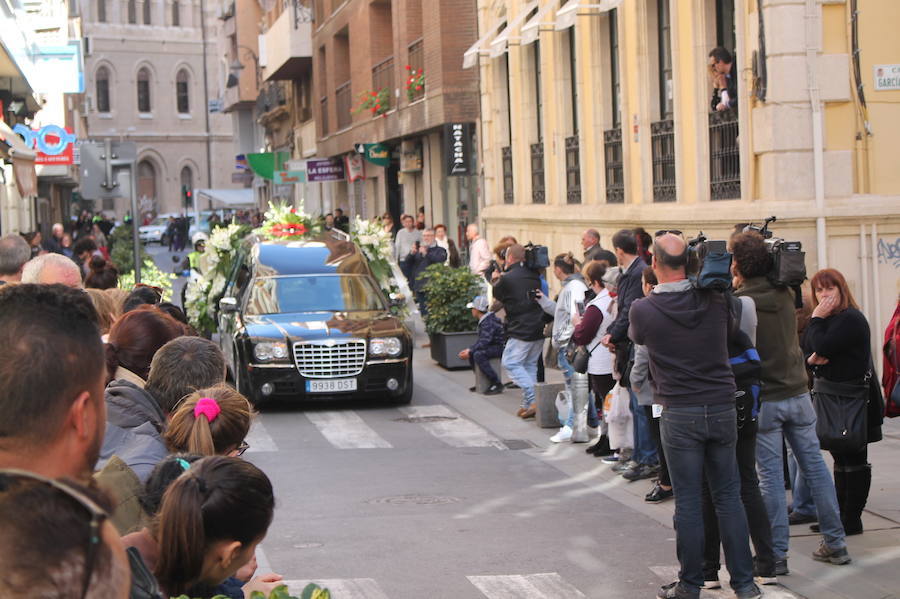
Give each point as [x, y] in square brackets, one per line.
[685, 331]
[515, 289]
[645, 458]
[428, 253]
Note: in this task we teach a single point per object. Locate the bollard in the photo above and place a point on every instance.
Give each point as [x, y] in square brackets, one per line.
[481, 382]
[580, 391]
[545, 400]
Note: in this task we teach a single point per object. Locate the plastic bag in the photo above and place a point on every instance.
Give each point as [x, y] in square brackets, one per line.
[619, 419]
[563, 406]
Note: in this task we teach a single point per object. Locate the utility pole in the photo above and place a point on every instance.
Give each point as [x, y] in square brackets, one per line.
[110, 154]
[206, 97]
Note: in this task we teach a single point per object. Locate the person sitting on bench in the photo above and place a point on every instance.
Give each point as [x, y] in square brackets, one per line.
[489, 345]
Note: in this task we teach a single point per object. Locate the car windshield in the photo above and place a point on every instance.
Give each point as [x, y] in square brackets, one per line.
[313, 293]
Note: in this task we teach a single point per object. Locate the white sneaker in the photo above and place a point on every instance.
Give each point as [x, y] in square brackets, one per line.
[564, 434]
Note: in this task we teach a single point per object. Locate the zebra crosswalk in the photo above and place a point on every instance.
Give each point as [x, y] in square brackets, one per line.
[349, 429]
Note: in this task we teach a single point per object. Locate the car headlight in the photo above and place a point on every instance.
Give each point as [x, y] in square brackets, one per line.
[385, 346]
[270, 350]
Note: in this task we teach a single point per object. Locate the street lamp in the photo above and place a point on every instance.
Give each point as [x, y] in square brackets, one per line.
[237, 66]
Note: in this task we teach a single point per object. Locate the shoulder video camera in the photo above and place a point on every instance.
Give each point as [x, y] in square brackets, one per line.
[537, 257]
[708, 263]
[788, 260]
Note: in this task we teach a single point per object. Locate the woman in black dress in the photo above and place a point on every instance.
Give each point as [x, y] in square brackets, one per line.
[837, 346]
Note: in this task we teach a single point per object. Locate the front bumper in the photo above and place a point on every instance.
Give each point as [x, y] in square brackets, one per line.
[289, 384]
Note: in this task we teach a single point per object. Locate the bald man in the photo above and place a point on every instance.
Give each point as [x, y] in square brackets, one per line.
[52, 268]
[685, 331]
[14, 253]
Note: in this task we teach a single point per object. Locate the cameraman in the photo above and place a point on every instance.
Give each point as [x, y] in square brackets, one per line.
[517, 290]
[786, 410]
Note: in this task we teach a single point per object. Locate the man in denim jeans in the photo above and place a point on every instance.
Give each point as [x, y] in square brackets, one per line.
[686, 332]
[517, 290]
[786, 409]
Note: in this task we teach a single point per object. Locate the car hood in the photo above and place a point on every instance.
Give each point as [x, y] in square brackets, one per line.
[308, 326]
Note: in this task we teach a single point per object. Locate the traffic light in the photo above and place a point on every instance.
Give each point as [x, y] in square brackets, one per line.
[187, 196]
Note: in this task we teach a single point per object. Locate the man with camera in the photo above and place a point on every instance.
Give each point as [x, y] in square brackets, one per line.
[786, 409]
[685, 331]
[517, 290]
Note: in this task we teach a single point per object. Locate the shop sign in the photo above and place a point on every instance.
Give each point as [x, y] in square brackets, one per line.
[54, 144]
[411, 157]
[458, 149]
[356, 168]
[290, 177]
[887, 77]
[322, 170]
[377, 154]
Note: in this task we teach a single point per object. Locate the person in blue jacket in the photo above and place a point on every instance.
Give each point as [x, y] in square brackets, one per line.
[490, 343]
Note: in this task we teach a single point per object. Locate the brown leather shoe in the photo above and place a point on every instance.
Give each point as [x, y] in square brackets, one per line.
[528, 413]
[520, 412]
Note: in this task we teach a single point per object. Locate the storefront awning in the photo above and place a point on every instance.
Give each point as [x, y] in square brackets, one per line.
[266, 163]
[565, 16]
[481, 46]
[499, 45]
[543, 17]
[228, 198]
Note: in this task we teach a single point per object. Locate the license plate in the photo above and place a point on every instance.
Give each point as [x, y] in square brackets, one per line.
[331, 386]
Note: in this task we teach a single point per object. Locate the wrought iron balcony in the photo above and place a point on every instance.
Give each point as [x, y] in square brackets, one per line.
[343, 104]
[538, 190]
[724, 156]
[573, 171]
[507, 161]
[662, 135]
[615, 172]
[288, 43]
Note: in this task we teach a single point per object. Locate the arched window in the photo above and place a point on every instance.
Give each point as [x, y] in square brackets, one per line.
[101, 11]
[132, 12]
[182, 95]
[146, 180]
[176, 14]
[143, 90]
[102, 89]
[147, 7]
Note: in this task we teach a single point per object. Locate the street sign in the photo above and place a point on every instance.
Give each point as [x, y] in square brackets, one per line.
[887, 77]
[328, 169]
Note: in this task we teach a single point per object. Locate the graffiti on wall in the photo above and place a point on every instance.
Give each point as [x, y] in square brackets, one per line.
[889, 252]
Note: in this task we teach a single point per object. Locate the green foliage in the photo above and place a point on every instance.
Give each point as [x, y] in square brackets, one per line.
[122, 252]
[310, 591]
[376, 102]
[150, 275]
[448, 290]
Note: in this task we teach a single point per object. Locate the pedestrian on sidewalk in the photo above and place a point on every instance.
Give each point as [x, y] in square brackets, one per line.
[686, 334]
[488, 346]
[479, 252]
[837, 349]
[406, 244]
[570, 302]
[517, 290]
[786, 409]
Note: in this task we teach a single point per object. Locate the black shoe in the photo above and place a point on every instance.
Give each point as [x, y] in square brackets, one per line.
[764, 574]
[473, 389]
[816, 528]
[600, 448]
[674, 590]
[657, 494]
[796, 517]
[781, 567]
[494, 389]
[512, 385]
[641, 472]
[751, 593]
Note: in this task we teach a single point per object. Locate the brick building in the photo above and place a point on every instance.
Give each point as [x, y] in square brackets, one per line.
[365, 53]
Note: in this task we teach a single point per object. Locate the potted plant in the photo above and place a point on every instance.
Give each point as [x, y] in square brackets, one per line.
[376, 102]
[450, 325]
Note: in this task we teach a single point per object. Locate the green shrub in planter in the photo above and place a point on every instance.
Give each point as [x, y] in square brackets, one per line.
[447, 292]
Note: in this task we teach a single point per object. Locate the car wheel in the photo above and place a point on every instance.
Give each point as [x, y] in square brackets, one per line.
[407, 395]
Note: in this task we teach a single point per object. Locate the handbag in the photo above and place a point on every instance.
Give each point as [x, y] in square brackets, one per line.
[579, 356]
[841, 414]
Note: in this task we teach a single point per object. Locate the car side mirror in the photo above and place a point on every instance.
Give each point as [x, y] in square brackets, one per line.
[228, 304]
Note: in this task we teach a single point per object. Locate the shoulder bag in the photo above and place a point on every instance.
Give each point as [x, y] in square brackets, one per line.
[841, 414]
[579, 356]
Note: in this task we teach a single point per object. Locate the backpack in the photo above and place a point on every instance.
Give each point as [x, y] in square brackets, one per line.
[745, 365]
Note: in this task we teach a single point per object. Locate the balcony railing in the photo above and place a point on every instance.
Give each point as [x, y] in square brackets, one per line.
[507, 161]
[343, 104]
[271, 96]
[724, 156]
[323, 103]
[383, 78]
[417, 62]
[662, 136]
[573, 171]
[538, 191]
[615, 174]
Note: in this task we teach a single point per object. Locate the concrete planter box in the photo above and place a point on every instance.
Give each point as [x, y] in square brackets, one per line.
[446, 346]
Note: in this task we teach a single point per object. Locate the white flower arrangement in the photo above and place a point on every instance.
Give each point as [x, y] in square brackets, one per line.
[375, 244]
[204, 292]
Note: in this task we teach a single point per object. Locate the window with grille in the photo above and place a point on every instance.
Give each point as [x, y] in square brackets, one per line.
[143, 90]
[662, 132]
[176, 14]
[103, 90]
[147, 7]
[101, 11]
[132, 12]
[182, 95]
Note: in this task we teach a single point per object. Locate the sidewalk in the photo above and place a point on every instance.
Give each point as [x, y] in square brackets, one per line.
[873, 574]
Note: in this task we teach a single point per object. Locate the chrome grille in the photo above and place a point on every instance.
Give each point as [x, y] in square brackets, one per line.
[327, 361]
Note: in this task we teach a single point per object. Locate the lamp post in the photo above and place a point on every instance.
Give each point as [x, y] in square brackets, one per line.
[237, 66]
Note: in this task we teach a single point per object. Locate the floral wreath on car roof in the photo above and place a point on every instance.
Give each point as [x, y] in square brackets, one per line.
[376, 245]
[283, 222]
[205, 289]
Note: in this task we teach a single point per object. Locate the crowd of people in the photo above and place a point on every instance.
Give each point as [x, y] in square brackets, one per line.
[708, 393]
